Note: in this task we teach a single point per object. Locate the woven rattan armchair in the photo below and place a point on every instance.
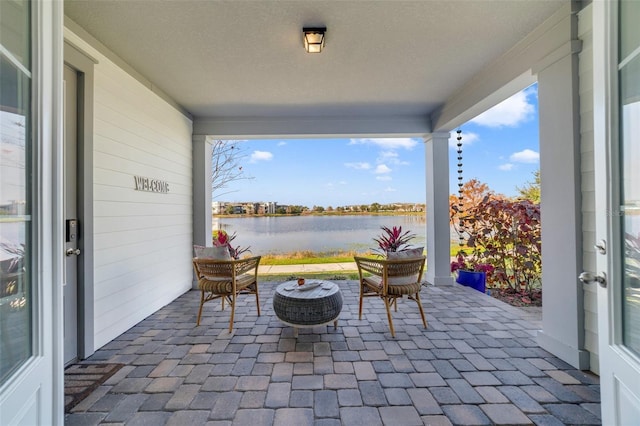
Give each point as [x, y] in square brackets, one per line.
[225, 279]
[391, 279]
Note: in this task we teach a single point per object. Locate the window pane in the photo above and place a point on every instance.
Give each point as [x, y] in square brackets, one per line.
[16, 296]
[629, 28]
[630, 200]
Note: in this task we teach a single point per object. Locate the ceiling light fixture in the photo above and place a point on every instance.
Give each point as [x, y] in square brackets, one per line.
[313, 39]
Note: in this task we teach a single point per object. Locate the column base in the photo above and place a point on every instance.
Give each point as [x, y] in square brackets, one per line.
[578, 358]
[440, 281]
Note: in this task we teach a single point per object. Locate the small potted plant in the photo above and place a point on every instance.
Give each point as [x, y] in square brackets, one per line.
[222, 239]
[471, 273]
[393, 240]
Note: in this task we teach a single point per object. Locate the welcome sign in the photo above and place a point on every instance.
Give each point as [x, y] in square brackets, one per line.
[151, 185]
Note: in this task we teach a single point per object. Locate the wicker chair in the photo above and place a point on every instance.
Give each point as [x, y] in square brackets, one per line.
[390, 280]
[225, 279]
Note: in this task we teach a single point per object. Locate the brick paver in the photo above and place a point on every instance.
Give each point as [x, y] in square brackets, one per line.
[477, 363]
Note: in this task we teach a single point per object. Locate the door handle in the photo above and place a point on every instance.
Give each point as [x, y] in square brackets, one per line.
[71, 252]
[588, 278]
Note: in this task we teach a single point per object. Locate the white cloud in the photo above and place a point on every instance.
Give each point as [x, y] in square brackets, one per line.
[386, 143]
[282, 143]
[467, 139]
[260, 156]
[389, 189]
[525, 156]
[506, 167]
[382, 169]
[510, 112]
[358, 166]
[391, 157]
[383, 177]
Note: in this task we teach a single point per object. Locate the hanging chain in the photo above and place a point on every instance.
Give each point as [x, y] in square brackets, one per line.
[460, 204]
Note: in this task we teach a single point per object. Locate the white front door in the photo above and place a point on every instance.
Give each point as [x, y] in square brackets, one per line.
[617, 175]
[27, 318]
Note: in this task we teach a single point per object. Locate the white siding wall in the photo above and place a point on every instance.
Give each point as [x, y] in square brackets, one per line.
[143, 240]
[588, 194]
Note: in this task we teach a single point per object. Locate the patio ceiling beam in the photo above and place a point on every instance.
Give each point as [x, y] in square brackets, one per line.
[313, 127]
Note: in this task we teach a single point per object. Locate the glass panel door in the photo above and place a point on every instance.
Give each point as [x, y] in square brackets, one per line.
[16, 295]
[629, 77]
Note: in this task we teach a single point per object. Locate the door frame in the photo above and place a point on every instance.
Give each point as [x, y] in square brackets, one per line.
[606, 150]
[84, 64]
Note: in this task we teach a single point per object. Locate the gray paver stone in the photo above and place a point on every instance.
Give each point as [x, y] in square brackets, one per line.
[401, 415]
[572, 414]
[372, 393]
[424, 402]
[253, 417]
[301, 399]
[397, 396]
[436, 421]
[182, 397]
[349, 398]
[149, 418]
[325, 403]
[521, 399]
[360, 416]
[466, 415]
[465, 391]
[293, 416]
[189, 417]
[505, 414]
[445, 395]
[126, 408]
[307, 382]
[225, 406]
[545, 420]
[396, 380]
[278, 395]
[253, 399]
[480, 378]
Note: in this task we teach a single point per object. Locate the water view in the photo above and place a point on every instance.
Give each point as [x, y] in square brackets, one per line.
[281, 234]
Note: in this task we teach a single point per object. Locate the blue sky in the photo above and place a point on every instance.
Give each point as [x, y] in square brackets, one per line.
[500, 148]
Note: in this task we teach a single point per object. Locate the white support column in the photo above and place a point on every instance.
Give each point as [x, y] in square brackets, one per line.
[201, 192]
[560, 162]
[438, 231]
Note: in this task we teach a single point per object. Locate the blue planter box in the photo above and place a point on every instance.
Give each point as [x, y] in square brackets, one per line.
[476, 280]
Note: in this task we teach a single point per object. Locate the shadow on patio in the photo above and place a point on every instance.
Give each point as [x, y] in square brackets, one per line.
[477, 364]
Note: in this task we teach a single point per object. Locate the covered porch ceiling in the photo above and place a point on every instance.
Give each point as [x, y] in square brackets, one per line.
[394, 64]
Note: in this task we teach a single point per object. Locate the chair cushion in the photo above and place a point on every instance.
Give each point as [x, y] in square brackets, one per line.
[218, 253]
[223, 285]
[406, 254]
[397, 285]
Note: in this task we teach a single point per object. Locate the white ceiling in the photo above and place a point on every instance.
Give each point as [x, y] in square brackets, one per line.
[245, 59]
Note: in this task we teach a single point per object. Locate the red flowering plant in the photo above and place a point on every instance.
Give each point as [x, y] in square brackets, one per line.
[393, 240]
[222, 239]
[461, 263]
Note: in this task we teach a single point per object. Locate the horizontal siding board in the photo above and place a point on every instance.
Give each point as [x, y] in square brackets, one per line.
[139, 164]
[119, 127]
[113, 255]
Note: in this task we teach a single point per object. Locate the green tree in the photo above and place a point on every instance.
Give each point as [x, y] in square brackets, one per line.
[531, 191]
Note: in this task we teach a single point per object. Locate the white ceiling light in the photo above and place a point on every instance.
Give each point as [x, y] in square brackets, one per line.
[313, 39]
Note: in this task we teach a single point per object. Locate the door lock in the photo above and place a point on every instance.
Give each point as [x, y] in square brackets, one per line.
[72, 252]
[601, 246]
[588, 278]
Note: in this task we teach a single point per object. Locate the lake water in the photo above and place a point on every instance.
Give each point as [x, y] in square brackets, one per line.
[280, 234]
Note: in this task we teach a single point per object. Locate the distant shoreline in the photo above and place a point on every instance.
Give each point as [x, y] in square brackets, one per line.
[385, 213]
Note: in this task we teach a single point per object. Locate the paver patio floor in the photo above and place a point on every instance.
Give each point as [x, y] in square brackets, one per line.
[477, 364]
